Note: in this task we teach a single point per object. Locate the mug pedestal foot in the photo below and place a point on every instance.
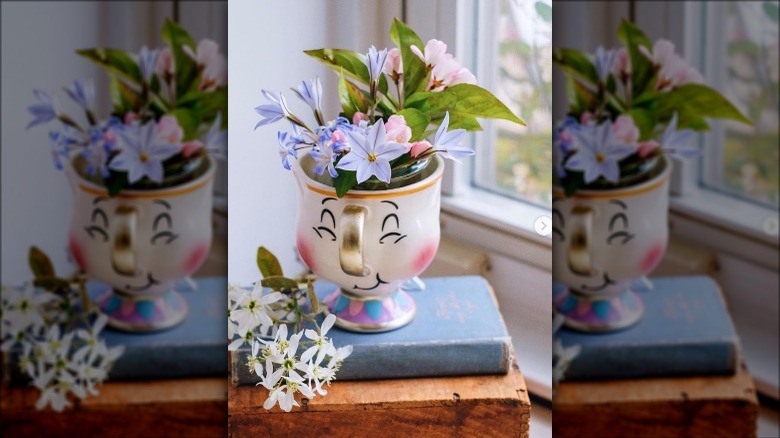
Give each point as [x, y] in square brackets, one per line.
[597, 314]
[135, 314]
[370, 315]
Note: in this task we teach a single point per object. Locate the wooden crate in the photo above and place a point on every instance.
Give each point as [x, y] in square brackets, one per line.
[186, 407]
[484, 406]
[714, 406]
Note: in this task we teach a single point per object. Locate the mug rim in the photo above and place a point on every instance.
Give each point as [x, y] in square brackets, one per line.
[419, 186]
[90, 187]
[627, 191]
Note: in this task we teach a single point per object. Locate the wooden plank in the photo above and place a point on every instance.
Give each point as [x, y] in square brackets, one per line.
[485, 406]
[712, 406]
[187, 407]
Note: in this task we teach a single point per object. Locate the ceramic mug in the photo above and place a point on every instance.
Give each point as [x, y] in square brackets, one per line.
[140, 243]
[605, 240]
[369, 243]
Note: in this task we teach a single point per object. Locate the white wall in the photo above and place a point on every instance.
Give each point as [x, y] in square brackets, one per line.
[38, 43]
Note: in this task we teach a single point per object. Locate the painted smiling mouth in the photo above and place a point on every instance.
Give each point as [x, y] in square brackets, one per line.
[379, 282]
[150, 282]
[607, 282]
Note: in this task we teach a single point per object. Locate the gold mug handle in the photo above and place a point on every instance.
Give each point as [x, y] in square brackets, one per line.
[578, 253]
[351, 225]
[122, 249]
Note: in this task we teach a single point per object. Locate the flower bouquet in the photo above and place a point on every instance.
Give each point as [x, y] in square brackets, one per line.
[169, 110]
[627, 107]
[142, 178]
[381, 130]
[53, 329]
[259, 316]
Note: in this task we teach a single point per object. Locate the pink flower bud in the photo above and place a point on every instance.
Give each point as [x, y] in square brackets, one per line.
[169, 131]
[165, 67]
[131, 117]
[419, 147]
[624, 129]
[621, 66]
[587, 117]
[358, 117]
[647, 147]
[394, 65]
[190, 148]
[397, 130]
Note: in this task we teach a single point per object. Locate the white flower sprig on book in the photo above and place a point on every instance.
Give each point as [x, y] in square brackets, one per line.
[259, 316]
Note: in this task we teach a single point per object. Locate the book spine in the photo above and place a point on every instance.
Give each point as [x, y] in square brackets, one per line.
[643, 360]
[388, 361]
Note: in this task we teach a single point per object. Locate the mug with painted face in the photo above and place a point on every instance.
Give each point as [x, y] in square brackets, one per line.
[603, 241]
[369, 243]
[140, 243]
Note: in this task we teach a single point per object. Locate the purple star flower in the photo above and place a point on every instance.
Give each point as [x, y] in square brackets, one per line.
[604, 60]
[311, 93]
[43, 112]
[446, 142]
[215, 140]
[147, 62]
[677, 143]
[375, 62]
[598, 153]
[325, 157]
[273, 111]
[83, 93]
[370, 153]
[142, 153]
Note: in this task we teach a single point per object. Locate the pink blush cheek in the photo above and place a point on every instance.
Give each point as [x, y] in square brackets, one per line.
[425, 257]
[196, 258]
[652, 258]
[305, 251]
[77, 252]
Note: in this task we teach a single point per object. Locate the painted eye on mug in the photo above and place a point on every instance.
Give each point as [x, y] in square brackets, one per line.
[619, 221]
[390, 221]
[326, 218]
[163, 219]
[99, 225]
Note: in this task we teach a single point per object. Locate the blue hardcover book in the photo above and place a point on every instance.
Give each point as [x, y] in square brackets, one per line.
[458, 330]
[686, 330]
[196, 347]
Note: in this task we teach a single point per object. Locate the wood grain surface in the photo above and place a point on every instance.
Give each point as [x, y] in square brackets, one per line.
[712, 406]
[484, 406]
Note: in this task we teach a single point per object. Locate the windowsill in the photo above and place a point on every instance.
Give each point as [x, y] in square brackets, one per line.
[510, 216]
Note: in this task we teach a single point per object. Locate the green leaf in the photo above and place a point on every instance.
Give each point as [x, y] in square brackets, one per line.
[40, 264]
[116, 181]
[645, 121]
[188, 120]
[416, 120]
[115, 62]
[347, 107]
[209, 104]
[125, 99]
[544, 11]
[475, 101]
[268, 263]
[315, 302]
[51, 283]
[344, 182]
[352, 63]
[278, 282]
[642, 70]
[695, 101]
[186, 68]
[464, 121]
[415, 74]
[577, 64]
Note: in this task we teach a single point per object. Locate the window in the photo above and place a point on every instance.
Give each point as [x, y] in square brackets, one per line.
[740, 46]
[514, 58]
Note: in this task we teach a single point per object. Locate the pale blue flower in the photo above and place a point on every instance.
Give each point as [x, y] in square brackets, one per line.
[311, 93]
[446, 142]
[215, 140]
[273, 111]
[598, 153]
[325, 157]
[142, 153]
[147, 62]
[370, 154]
[604, 60]
[43, 112]
[677, 143]
[375, 62]
[83, 93]
[286, 148]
